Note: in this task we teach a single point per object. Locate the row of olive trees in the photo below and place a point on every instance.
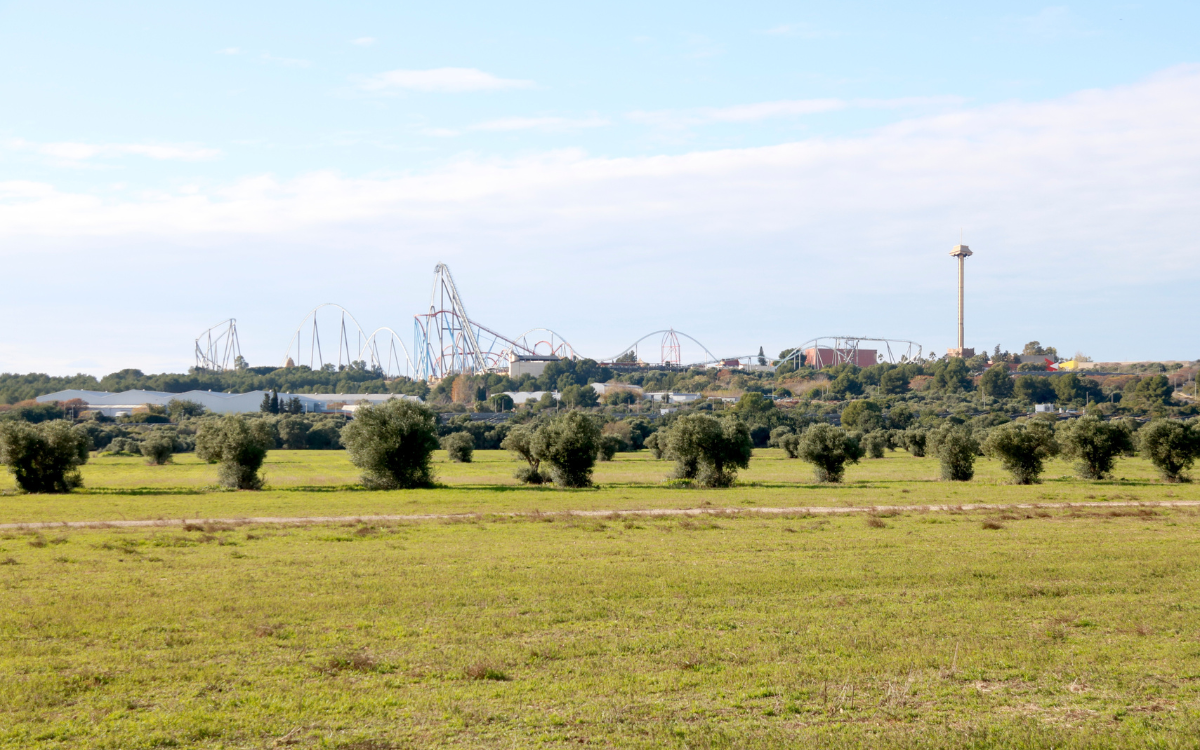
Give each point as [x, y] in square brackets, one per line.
[1021, 447]
[393, 444]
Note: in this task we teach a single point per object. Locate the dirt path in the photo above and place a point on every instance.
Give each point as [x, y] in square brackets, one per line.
[797, 511]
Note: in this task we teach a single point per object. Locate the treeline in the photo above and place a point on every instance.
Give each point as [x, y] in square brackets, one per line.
[355, 378]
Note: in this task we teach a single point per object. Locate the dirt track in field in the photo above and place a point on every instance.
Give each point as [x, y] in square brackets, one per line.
[796, 511]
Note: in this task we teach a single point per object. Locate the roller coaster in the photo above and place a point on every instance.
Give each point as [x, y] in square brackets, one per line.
[447, 341]
[218, 348]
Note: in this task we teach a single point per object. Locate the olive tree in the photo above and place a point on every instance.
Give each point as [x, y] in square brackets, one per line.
[875, 443]
[778, 435]
[568, 445]
[158, 448]
[239, 446]
[1172, 446]
[914, 440]
[609, 445]
[519, 440]
[44, 457]
[393, 443]
[460, 447]
[955, 448]
[1022, 448]
[828, 449]
[707, 450]
[1095, 443]
[654, 441]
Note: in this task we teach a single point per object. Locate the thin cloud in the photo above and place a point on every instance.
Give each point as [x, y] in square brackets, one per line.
[801, 30]
[511, 124]
[452, 80]
[758, 111]
[69, 151]
[1054, 22]
[364, 41]
[229, 51]
[287, 62]
[539, 123]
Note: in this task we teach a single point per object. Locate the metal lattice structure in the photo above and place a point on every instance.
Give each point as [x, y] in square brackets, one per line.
[316, 357]
[670, 351]
[218, 348]
[446, 341]
[829, 351]
[384, 356]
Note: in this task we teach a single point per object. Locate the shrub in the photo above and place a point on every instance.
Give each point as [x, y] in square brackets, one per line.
[519, 440]
[293, 432]
[777, 436]
[609, 445]
[875, 443]
[623, 432]
[568, 445]
[707, 450]
[179, 408]
[32, 411]
[123, 445]
[863, 415]
[956, 450]
[1022, 448]
[1095, 443]
[1170, 445]
[44, 457]
[914, 440]
[791, 445]
[828, 449]
[239, 445]
[654, 441]
[460, 446]
[157, 448]
[901, 417]
[393, 444]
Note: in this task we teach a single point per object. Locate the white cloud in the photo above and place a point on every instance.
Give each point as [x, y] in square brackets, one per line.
[1080, 211]
[364, 41]
[74, 152]
[229, 51]
[783, 108]
[441, 79]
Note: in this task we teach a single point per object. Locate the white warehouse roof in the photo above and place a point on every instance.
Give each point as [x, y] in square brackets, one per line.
[218, 403]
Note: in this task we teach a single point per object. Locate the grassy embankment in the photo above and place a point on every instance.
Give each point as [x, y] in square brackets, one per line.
[304, 483]
[1065, 629]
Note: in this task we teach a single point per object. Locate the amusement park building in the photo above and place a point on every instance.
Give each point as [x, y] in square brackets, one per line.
[116, 404]
[818, 358]
[528, 364]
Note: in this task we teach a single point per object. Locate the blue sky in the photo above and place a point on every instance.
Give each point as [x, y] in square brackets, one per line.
[752, 174]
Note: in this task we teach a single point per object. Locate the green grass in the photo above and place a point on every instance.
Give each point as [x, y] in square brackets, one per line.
[1063, 629]
[1021, 628]
[323, 483]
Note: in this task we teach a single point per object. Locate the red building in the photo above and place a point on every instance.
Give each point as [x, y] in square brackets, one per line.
[819, 357]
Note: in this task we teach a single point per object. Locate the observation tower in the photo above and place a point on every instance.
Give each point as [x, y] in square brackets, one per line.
[962, 252]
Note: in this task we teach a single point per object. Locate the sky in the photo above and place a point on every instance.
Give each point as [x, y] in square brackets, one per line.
[752, 174]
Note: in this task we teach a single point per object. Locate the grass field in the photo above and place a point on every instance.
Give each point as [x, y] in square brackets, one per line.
[305, 483]
[1025, 628]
